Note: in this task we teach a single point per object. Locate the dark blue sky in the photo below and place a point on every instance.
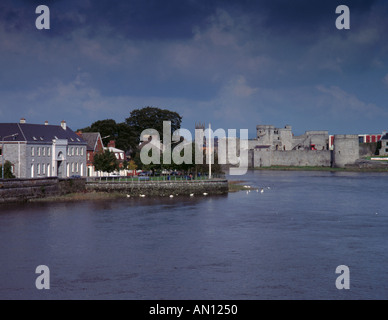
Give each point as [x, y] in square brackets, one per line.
[235, 64]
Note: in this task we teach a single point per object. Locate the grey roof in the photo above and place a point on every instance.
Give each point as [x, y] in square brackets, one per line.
[385, 137]
[38, 133]
[91, 139]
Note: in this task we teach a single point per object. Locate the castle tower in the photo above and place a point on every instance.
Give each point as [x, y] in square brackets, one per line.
[346, 150]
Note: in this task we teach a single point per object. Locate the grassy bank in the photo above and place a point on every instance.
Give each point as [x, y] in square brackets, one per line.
[82, 196]
[311, 168]
[240, 185]
[300, 168]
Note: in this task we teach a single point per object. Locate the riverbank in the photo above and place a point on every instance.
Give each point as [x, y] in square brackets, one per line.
[233, 186]
[239, 185]
[306, 168]
[81, 196]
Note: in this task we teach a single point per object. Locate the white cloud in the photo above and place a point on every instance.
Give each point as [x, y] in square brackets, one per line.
[385, 80]
[346, 105]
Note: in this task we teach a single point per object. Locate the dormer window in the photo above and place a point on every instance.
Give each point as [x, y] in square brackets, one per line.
[34, 138]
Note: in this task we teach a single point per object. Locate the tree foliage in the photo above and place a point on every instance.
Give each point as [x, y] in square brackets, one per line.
[121, 133]
[152, 118]
[106, 162]
[7, 170]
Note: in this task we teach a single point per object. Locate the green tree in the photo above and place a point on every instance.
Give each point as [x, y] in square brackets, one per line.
[152, 118]
[121, 133]
[7, 170]
[126, 138]
[107, 128]
[132, 165]
[106, 162]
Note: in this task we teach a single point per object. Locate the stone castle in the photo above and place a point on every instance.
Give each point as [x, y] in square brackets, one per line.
[279, 147]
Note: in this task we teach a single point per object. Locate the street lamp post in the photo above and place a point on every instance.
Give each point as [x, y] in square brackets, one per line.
[210, 151]
[2, 153]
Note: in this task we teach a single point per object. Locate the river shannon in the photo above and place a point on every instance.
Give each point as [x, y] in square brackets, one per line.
[283, 243]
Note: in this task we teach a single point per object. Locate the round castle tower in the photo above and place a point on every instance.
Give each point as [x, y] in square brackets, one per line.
[346, 150]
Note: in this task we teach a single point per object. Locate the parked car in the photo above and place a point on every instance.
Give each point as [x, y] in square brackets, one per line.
[114, 174]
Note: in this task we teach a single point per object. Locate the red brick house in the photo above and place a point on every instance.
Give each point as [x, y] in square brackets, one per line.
[94, 146]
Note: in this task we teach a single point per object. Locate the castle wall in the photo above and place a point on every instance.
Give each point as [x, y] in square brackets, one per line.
[346, 150]
[278, 147]
[267, 158]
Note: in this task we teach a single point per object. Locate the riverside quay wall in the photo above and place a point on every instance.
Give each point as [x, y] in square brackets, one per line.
[160, 188]
[20, 190]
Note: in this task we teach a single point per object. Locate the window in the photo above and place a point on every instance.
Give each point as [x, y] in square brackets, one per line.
[39, 150]
[82, 151]
[32, 151]
[72, 151]
[77, 151]
[68, 152]
[49, 152]
[38, 168]
[44, 151]
[43, 169]
[88, 156]
[77, 167]
[386, 144]
[72, 167]
[386, 150]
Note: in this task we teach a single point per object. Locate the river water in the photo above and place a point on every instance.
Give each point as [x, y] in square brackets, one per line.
[284, 243]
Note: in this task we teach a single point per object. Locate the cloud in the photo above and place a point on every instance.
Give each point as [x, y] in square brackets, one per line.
[385, 80]
[235, 64]
[347, 105]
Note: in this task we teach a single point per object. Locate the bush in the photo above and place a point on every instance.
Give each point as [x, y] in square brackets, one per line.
[7, 170]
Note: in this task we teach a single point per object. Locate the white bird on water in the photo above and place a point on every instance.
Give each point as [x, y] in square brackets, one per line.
[142, 195]
[171, 196]
[128, 196]
[191, 194]
[205, 194]
[262, 190]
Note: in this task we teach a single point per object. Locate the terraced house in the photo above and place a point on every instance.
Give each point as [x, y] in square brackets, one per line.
[42, 150]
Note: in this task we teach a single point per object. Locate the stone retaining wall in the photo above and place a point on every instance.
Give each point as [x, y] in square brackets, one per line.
[161, 188]
[19, 190]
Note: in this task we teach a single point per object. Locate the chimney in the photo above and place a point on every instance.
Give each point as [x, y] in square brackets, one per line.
[112, 144]
[46, 123]
[63, 124]
[22, 120]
